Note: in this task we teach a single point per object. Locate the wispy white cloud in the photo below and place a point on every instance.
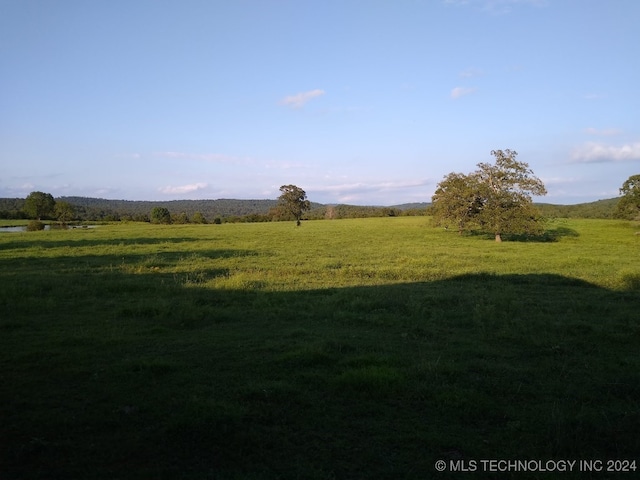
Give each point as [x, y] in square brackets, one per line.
[103, 192]
[605, 132]
[182, 189]
[560, 180]
[461, 92]
[471, 73]
[21, 190]
[357, 191]
[593, 152]
[285, 165]
[594, 96]
[300, 99]
[205, 157]
[497, 6]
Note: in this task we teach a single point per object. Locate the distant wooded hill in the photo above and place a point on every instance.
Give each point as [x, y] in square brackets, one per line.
[598, 209]
[93, 209]
[210, 209]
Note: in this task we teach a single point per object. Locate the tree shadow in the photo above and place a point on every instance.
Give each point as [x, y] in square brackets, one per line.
[34, 241]
[548, 236]
[140, 375]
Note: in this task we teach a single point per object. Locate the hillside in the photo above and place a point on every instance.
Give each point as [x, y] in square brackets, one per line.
[100, 208]
[209, 208]
[597, 209]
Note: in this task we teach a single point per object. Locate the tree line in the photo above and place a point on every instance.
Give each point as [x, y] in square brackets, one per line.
[94, 210]
[85, 209]
[495, 198]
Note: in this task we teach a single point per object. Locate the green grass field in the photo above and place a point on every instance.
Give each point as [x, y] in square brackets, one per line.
[346, 349]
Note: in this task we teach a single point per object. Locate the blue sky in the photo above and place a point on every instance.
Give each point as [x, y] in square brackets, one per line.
[356, 101]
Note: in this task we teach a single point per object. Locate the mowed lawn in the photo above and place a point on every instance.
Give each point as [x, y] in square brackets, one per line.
[342, 349]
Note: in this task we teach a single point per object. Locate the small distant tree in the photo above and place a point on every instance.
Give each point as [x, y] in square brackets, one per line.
[294, 201]
[64, 211]
[629, 205]
[181, 217]
[330, 213]
[39, 204]
[160, 215]
[35, 225]
[279, 213]
[198, 218]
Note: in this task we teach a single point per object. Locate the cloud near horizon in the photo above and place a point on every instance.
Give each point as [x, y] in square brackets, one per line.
[471, 73]
[593, 152]
[206, 157]
[300, 99]
[181, 189]
[497, 6]
[605, 132]
[349, 192]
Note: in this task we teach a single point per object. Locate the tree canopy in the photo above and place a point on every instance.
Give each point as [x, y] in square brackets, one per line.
[39, 204]
[629, 205]
[294, 201]
[64, 211]
[160, 215]
[495, 199]
[457, 200]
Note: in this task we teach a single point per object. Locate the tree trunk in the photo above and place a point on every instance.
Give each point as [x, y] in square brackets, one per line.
[498, 237]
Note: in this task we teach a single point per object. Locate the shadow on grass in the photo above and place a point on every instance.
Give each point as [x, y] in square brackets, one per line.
[141, 376]
[34, 241]
[549, 235]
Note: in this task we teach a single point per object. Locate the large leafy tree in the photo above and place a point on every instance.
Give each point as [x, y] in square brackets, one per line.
[39, 204]
[198, 218]
[629, 205]
[496, 198]
[507, 187]
[294, 201]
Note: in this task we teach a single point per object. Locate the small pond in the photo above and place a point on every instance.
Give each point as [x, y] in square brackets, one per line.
[23, 228]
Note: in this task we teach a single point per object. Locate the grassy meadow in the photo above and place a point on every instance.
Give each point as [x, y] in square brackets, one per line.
[344, 349]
